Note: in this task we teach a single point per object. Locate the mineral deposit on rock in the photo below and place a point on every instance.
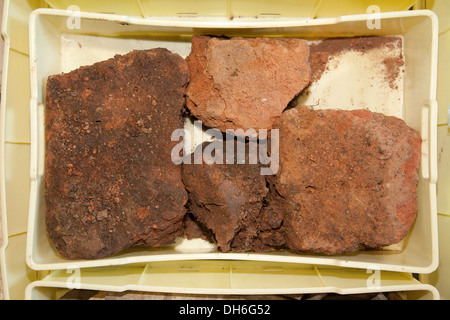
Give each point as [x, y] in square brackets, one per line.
[110, 182]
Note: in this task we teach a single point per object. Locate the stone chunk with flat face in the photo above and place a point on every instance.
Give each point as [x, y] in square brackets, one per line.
[241, 83]
[226, 198]
[347, 181]
[110, 181]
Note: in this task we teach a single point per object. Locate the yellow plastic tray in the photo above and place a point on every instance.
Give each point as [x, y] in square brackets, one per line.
[441, 277]
[230, 9]
[229, 278]
[52, 51]
[15, 136]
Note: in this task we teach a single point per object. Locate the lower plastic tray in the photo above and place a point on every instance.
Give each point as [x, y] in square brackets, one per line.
[229, 278]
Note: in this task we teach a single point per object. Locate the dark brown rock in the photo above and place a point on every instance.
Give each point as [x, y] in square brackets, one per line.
[243, 83]
[347, 181]
[193, 229]
[110, 181]
[227, 199]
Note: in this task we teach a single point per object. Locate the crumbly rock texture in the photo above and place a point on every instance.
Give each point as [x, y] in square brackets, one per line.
[227, 199]
[241, 83]
[347, 181]
[110, 181]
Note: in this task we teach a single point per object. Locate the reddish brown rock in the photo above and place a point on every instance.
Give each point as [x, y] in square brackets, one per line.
[195, 230]
[347, 181]
[243, 83]
[227, 199]
[110, 181]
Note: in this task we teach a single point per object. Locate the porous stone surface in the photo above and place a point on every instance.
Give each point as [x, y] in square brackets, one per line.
[226, 198]
[110, 181]
[347, 181]
[241, 83]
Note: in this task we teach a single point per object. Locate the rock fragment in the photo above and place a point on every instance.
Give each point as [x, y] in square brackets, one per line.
[227, 199]
[347, 180]
[241, 83]
[110, 182]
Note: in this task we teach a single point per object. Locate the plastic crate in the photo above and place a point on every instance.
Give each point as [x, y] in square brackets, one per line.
[55, 48]
[15, 136]
[229, 278]
[227, 10]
